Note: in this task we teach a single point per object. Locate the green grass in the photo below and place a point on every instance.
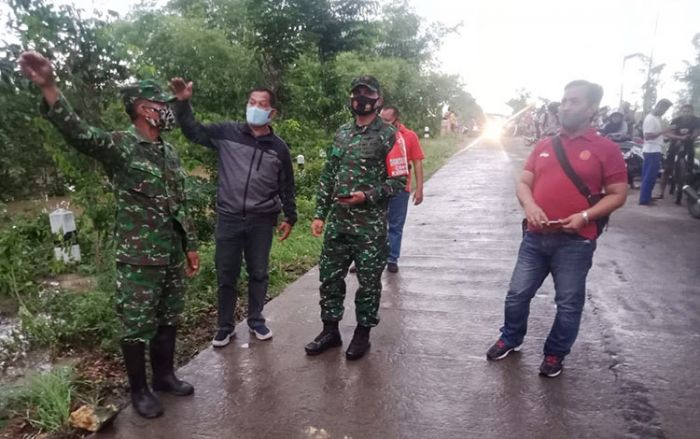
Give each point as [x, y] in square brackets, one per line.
[46, 400]
[438, 151]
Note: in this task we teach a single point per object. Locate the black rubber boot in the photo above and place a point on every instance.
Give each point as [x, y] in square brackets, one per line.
[162, 362]
[145, 403]
[360, 343]
[328, 338]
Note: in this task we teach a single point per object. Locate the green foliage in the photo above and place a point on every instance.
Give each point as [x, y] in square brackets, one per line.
[26, 252]
[46, 400]
[402, 34]
[60, 319]
[691, 76]
[438, 151]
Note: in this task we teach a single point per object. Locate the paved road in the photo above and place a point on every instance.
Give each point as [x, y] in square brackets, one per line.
[630, 374]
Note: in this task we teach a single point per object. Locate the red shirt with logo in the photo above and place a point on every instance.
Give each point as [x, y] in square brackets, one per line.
[413, 149]
[598, 162]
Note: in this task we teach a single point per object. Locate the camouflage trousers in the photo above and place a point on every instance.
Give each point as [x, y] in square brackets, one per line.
[369, 254]
[149, 296]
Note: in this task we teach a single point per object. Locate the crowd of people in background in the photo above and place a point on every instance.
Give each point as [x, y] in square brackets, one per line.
[665, 145]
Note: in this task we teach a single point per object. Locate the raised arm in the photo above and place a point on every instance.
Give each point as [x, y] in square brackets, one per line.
[95, 142]
[195, 131]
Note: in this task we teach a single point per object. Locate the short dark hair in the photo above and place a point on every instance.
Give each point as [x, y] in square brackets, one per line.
[664, 103]
[393, 108]
[594, 92]
[270, 93]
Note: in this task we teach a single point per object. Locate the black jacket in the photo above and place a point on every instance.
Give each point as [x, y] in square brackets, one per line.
[256, 177]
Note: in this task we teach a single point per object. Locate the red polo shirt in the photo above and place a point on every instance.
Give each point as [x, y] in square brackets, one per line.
[598, 162]
[413, 149]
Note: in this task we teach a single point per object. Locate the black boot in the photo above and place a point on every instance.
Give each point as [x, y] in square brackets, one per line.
[360, 343]
[328, 338]
[162, 362]
[145, 403]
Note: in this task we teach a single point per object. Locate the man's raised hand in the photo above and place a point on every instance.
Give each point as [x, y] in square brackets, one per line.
[37, 69]
[181, 89]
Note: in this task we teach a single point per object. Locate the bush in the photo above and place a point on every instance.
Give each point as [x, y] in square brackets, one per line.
[26, 254]
[71, 319]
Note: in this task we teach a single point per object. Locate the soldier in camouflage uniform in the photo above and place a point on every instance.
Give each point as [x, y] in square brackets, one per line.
[155, 242]
[364, 167]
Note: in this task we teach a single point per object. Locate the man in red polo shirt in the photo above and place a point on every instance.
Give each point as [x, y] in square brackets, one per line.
[398, 205]
[561, 232]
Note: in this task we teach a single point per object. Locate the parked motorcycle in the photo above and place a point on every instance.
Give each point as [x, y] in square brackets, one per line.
[634, 158]
[692, 187]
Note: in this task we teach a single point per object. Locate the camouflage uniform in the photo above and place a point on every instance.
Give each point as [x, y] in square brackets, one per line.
[153, 231]
[356, 162]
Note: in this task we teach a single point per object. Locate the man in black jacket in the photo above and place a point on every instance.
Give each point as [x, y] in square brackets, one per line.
[256, 181]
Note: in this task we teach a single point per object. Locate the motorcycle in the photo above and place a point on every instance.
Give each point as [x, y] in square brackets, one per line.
[631, 150]
[692, 186]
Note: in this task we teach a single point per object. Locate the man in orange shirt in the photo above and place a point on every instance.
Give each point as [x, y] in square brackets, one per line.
[398, 205]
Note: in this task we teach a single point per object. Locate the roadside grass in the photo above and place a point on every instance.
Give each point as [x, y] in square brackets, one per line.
[45, 401]
[438, 151]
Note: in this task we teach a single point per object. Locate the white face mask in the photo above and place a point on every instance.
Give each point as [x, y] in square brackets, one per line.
[256, 116]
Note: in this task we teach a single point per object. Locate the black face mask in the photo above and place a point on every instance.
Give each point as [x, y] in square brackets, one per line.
[364, 105]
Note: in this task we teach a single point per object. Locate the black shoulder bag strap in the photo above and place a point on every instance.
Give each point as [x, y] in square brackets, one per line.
[580, 185]
[569, 171]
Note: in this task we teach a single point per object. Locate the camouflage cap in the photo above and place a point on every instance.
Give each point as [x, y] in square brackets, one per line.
[146, 89]
[366, 80]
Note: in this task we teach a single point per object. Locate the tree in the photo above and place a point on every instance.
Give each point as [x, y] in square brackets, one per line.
[401, 33]
[691, 77]
[283, 31]
[85, 60]
[520, 101]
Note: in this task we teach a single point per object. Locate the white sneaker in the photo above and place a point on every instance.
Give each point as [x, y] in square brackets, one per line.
[261, 332]
[222, 338]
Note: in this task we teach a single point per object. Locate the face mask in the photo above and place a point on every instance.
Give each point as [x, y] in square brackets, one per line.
[362, 105]
[257, 116]
[166, 120]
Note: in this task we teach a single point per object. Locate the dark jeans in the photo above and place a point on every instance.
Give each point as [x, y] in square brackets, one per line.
[568, 258]
[650, 170]
[398, 208]
[252, 239]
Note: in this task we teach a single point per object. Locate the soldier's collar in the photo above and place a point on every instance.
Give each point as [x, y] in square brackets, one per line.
[375, 125]
[132, 129]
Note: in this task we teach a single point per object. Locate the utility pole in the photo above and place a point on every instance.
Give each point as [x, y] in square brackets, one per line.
[647, 86]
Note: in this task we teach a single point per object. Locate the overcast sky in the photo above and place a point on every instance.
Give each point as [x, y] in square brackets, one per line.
[541, 45]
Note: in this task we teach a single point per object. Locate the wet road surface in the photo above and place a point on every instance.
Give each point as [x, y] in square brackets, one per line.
[631, 372]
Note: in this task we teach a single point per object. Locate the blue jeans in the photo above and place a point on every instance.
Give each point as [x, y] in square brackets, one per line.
[650, 170]
[568, 258]
[398, 207]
